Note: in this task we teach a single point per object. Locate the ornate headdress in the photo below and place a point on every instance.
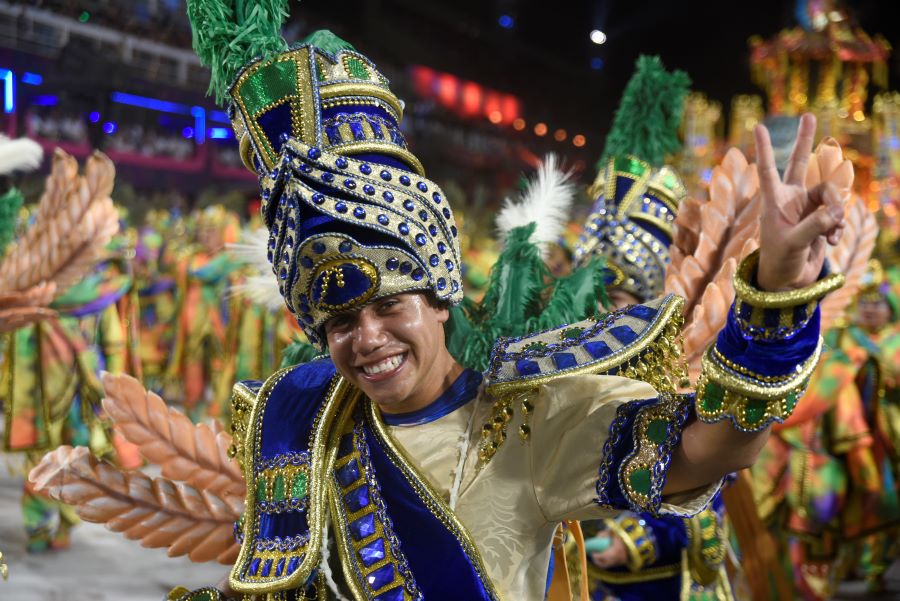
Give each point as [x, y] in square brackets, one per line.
[636, 197]
[351, 217]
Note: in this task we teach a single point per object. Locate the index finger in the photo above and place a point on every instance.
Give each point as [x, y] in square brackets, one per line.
[765, 161]
[795, 174]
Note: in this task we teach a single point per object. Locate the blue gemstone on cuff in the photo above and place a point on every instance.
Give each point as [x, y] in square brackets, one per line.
[409, 205]
[363, 527]
[564, 360]
[403, 229]
[597, 349]
[421, 239]
[267, 568]
[405, 267]
[365, 169]
[404, 179]
[455, 286]
[279, 569]
[254, 566]
[383, 219]
[359, 213]
[417, 274]
[437, 197]
[388, 196]
[453, 231]
[422, 186]
[423, 215]
[293, 564]
[641, 312]
[357, 499]
[318, 247]
[348, 474]
[441, 283]
[432, 229]
[386, 175]
[283, 273]
[372, 553]
[327, 177]
[341, 163]
[349, 183]
[318, 198]
[345, 246]
[446, 213]
[393, 263]
[340, 207]
[442, 248]
[395, 594]
[449, 264]
[381, 577]
[434, 260]
[526, 367]
[369, 189]
[313, 153]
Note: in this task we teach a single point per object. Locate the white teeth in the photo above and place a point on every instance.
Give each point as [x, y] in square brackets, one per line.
[382, 366]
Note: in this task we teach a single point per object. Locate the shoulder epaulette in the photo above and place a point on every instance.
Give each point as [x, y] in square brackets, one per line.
[243, 397]
[636, 341]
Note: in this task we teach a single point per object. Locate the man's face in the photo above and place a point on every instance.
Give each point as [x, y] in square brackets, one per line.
[873, 314]
[393, 350]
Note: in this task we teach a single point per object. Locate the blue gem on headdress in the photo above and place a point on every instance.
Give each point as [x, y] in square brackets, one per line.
[345, 246]
[454, 231]
[318, 248]
[283, 273]
[434, 260]
[284, 137]
[365, 169]
[304, 168]
[341, 163]
[449, 264]
[269, 256]
[306, 262]
[442, 248]
[417, 274]
[359, 213]
[340, 207]
[318, 198]
[454, 285]
[392, 263]
[279, 214]
[286, 257]
[291, 223]
[422, 186]
[421, 239]
[388, 196]
[404, 179]
[423, 215]
[314, 153]
[432, 229]
[437, 198]
[274, 173]
[374, 551]
[289, 242]
[266, 193]
[446, 213]
[409, 205]
[271, 242]
[441, 283]
[383, 219]
[405, 267]
[386, 175]
[403, 229]
[327, 177]
[349, 183]
[308, 319]
[369, 189]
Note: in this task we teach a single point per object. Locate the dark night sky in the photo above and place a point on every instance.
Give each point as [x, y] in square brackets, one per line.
[545, 58]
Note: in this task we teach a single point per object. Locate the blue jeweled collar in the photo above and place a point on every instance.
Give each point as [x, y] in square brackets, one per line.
[463, 390]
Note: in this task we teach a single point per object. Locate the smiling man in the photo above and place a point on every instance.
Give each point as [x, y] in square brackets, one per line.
[389, 463]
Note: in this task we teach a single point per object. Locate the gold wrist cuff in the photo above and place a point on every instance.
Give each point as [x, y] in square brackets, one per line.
[755, 297]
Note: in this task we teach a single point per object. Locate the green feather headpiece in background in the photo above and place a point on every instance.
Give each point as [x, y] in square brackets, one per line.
[649, 114]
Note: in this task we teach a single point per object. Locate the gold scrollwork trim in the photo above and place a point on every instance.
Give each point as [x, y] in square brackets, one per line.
[779, 300]
[382, 147]
[670, 309]
[435, 503]
[337, 90]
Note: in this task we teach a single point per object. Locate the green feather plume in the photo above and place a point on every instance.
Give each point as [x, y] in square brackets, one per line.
[10, 203]
[522, 298]
[649, 114]
[298, 352]
[227, 34]
[327, 41]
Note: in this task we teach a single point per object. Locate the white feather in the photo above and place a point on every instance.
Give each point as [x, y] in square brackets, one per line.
[546, 201]
[261, 286]
[19, 155]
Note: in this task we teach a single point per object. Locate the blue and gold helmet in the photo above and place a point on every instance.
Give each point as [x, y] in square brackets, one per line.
[636, 194]
[630, 224]
[350, 214]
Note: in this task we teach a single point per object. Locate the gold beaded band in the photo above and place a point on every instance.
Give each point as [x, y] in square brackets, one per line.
[769, 316]
[752, 402]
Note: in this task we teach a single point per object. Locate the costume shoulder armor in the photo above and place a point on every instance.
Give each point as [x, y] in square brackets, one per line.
[636, 341]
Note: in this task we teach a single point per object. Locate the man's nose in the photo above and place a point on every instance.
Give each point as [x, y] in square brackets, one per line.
[368, 335]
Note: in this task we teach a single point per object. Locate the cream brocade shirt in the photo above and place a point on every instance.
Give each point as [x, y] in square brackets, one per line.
[512, 506]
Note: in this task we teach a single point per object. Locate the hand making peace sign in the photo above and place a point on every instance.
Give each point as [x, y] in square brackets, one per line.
[796, 222]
